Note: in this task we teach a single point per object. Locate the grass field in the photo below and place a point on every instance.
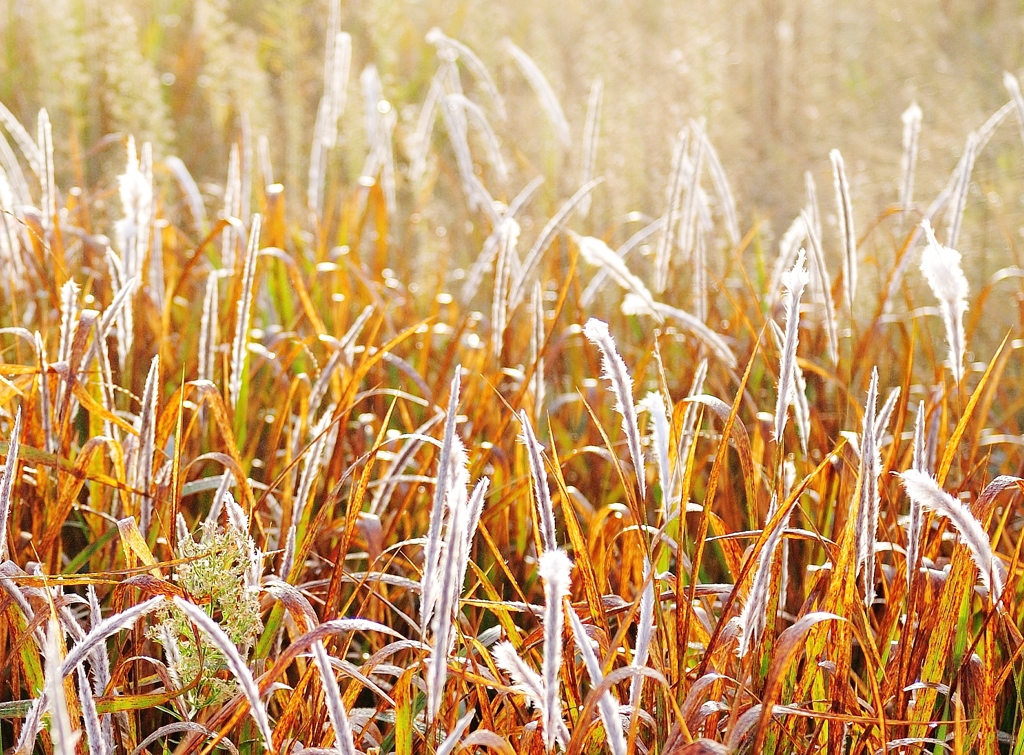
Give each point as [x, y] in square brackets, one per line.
[429, 446]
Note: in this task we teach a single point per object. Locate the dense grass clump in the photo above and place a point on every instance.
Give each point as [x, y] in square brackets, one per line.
[307, 471]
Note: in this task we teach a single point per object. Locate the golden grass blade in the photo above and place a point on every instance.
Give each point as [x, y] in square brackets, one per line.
[952, 446]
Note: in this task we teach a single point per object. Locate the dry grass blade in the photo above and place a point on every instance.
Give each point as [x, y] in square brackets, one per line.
[545, 94]
[595, 252]
[518, 288]
[632, 305]
[243, 314]
[7, 480]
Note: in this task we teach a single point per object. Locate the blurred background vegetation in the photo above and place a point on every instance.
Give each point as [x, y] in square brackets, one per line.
[778, 82]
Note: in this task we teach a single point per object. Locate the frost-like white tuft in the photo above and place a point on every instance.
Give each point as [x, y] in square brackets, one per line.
[942, 268]
[922, 488]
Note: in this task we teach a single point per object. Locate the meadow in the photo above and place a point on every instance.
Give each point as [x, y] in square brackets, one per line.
[435, 437]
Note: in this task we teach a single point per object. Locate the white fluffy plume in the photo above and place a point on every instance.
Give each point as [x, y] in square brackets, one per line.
[942, 268]
[924, 490]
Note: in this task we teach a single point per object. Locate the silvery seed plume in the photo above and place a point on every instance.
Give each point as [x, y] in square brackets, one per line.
[673, 211]
[48, 193]
[343, 741]
[508, 239]
[240, 343]
[794, 281]
[541, 493]
[884, 415]
[62, 731]
[489, 138]
[232, 209]
[450, 590]
[245, 166]
[45, 401]
[615, 371]
[235, 663]
[29, 149]
[420, 140]
[432, 550]
[190, 190]
[845, 227]
[661, 437]
[7, 481]
[911, 131]
[208, 326]
[484, 261]
[725, 197]
[545, 94]
[597, 253]
[797, 393]
[452, 49]
[447, 747]
[457, 126]
[95, 740]
[792, 241]
[591, 129]
[519, 282]
[753, 617]
[633, 305]
[822, 285]
[265, 164]
[414, 441]
[602, 275]
[941, 266]
[923, 488]
[916, 517]
[644, 633]
[68, 318]
[20, 196]
[555, 570]
[135, 187]
[313, 458]
[141, 462]
[694, 165]
[337, 76]
[1013, 87]
[123, 313]
[867, 506]
[700, 277]
[606, 704]
[380, 123]
[318, 159]
[686, 438]
[956, 208]
[11, 234]
[82, 649]
[525, 680]
[9, 572]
